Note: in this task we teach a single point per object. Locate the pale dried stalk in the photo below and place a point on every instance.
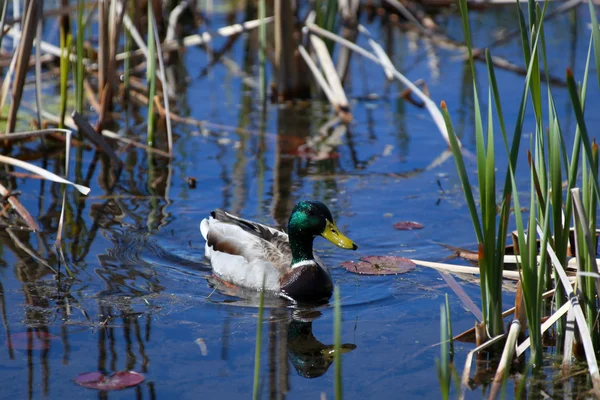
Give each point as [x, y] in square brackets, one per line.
[506, 359]
[462, 269]
[545, 326]
[327, 65]
[467, 370]
[188, 41]
[42, 172]
[318, 76]
[431, 106]
[569, 341]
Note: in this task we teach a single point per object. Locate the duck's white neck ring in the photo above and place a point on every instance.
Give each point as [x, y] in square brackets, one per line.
[304, 263]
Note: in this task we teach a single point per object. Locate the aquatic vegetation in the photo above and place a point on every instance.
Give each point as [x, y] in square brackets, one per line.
[546, 163]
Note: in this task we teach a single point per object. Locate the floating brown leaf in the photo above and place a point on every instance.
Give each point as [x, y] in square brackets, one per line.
[118, 380]
[30, 340]
[380, 265]
[407, 225]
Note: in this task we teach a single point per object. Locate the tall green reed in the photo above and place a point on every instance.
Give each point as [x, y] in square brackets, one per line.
[258, 346]
[444, 363]
[66, 39]
[151, 77]
[337, 340]
[79, 67]
[262, 43]
[327, 12]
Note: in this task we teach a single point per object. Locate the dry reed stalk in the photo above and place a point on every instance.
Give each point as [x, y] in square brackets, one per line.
[461, 269]
[547, 324]
[569, 343]
[88, 131]
[462, 295]
[432, 108]
[467, 370]
[520, 310]
[61, 220]
[109, 44]
[27, 249]
[22, 62]
[340, 101]
[470, 332]
[20, 209]
[506, 359]
[115, 136]
[103, 31]
[289, 82]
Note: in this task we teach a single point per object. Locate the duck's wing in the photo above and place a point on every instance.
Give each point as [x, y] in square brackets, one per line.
[242, 251]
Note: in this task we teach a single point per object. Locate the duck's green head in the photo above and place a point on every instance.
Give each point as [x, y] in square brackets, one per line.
[313, 218]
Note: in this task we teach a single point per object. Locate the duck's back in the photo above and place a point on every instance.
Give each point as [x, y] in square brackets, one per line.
[242, 251]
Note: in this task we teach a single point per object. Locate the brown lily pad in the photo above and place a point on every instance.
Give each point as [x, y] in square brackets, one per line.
[407, 225]
[118, 380]
[30, 340]
[380, 265]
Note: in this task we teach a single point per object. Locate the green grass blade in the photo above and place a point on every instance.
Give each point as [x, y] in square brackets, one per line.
[151, 77]
[258, 346]
[462, 172]
[578, 109]
[79, 68]
[596, 37]
[337, 340]
[262, 50]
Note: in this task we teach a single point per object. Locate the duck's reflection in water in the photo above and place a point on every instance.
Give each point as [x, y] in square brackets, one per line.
[290, 335]
[310, 357]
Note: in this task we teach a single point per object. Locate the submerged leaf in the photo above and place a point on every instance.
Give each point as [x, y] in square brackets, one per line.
[30, 340]
[380, 265]
[407, 225]
[118, 380]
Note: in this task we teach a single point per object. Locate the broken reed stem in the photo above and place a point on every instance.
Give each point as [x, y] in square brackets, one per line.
[506, 359]
[467, 370]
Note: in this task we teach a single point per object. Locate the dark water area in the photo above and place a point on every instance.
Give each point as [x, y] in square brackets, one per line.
[143, 297]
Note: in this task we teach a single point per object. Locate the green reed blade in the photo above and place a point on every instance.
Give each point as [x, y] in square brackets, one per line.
[337, 340]
[151, 77]
[573, 167]
[66, 40]
[585, 139]
[262, 50]
[449, 323]
[79, 69]
[257, 349]
[462, 171]
[443, 363]
[524, 37]
[596, 37]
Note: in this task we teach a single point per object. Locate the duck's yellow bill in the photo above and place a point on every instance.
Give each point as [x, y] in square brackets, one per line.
[333, 234]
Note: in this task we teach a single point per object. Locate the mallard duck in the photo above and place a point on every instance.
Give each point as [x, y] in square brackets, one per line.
[241, 252]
